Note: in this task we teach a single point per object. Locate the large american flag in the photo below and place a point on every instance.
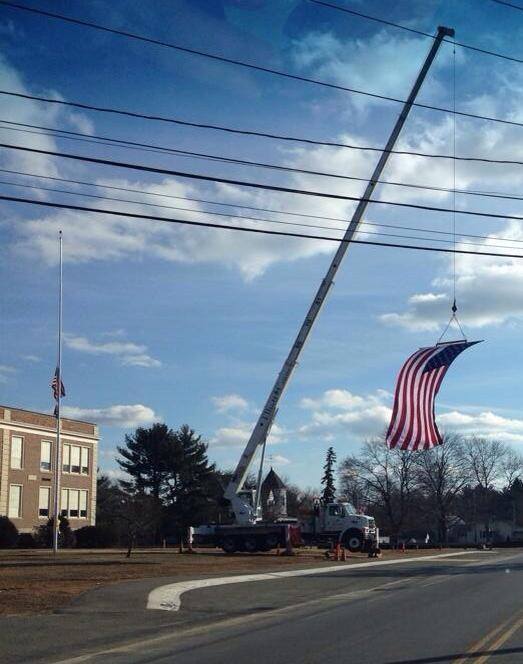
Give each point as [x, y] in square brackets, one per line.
[413, 424]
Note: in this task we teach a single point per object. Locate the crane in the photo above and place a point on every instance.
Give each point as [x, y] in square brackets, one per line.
[245, 512]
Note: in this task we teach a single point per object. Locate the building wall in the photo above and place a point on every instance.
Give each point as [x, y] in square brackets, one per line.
[34, 428]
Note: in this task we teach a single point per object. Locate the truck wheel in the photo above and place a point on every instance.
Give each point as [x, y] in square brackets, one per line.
[250, 544]
[353, 540]
[269, 542]
[229, 544]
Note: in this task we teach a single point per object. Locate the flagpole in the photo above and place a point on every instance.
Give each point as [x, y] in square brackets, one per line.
[57, 463]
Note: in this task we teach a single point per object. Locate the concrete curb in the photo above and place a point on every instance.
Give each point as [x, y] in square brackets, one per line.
[169, 597]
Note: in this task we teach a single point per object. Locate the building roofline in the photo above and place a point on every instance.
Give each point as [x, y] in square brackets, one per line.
[39, 412]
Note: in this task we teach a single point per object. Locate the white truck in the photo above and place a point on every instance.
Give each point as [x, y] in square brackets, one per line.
[340, 523]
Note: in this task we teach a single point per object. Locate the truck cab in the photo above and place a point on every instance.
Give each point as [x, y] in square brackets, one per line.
[339, 522]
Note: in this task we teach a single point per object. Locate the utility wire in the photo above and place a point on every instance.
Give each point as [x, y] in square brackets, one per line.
[495, 54]
[267, 70]
[263, 231]
[508, 4]
[107, 141]
[279, 221]
[252, 185]
[212, 202]
[149, 147]
[247, 132]
[98, 140]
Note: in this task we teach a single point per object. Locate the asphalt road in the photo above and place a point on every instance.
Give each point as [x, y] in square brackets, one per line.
[467, 609]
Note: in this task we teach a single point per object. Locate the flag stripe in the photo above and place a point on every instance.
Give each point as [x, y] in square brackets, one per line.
[413, 424]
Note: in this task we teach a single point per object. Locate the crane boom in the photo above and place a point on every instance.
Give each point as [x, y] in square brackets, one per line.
[243, 512]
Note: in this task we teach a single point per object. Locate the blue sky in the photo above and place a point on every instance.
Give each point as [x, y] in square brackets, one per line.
[191, 325]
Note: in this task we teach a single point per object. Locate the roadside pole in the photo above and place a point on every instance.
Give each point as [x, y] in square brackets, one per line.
[57, 456]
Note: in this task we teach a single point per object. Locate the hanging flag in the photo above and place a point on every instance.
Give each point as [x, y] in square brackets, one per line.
[413, 424]
[58, 388]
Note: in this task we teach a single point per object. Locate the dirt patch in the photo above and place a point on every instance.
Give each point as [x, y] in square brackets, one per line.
[37, 581]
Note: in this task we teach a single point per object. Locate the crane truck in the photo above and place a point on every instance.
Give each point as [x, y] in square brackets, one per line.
[249, 532]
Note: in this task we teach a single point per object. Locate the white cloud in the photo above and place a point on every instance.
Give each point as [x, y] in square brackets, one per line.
[490, 291]
[229, 402]
[382, 63]
[115, 474]
[119, 415]
[5, 372]
[278, 460]
[31, 358]
[338, 412]
[238, 434]
[485, 424]
[128, 353]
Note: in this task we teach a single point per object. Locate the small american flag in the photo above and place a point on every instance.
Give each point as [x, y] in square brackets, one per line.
[54, 385]
[413, 424]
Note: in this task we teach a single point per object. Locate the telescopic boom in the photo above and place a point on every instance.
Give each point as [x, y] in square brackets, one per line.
[244, 512]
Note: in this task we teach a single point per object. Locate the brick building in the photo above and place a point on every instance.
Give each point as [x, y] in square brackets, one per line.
[27, 457]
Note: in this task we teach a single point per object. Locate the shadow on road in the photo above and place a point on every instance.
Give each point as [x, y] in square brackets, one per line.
[458, 655]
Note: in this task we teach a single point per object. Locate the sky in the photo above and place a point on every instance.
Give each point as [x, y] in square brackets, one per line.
[191, 325]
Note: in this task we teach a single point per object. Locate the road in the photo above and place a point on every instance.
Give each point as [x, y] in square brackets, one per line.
[467, 609]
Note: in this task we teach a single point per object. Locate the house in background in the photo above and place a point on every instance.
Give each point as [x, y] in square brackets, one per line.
[27, 457]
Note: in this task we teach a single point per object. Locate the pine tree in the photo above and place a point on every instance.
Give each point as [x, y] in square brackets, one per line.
[144, 459]
[329, 489]
[189, 488]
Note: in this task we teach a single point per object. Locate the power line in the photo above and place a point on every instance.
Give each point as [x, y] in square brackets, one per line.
[507, 4]
[267, 70]
[278, 221]
[252, 185]
[263, 231]
[495, 54]
[213, 202]
[108, 141]
[247, 132]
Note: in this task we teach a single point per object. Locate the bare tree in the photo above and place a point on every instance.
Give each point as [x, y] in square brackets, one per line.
[486, 461]
[386, 477]
[512, 468]
[441, 473]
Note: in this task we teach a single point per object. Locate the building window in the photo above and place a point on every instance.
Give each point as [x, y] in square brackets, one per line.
[66, 458]
[45, 456]
[83, 504]
[43, 501]
[85, 461]
[17, 445]
[64, 500]
[75, 459]
[15, 501]
[74, 503]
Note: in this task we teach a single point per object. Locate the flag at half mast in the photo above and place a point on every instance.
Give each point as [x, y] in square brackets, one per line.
[413, 424]
[58, 389]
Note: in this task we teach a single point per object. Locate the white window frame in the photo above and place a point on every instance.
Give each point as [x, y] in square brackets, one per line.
[85, 494]
[42, 462]
[20, 498]
[76, 455]
[47, 489]
[66, 502]
[84, 456]
[66, 467]
[21, 439]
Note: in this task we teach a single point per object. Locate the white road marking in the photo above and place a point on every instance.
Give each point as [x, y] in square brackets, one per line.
[169, 597]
